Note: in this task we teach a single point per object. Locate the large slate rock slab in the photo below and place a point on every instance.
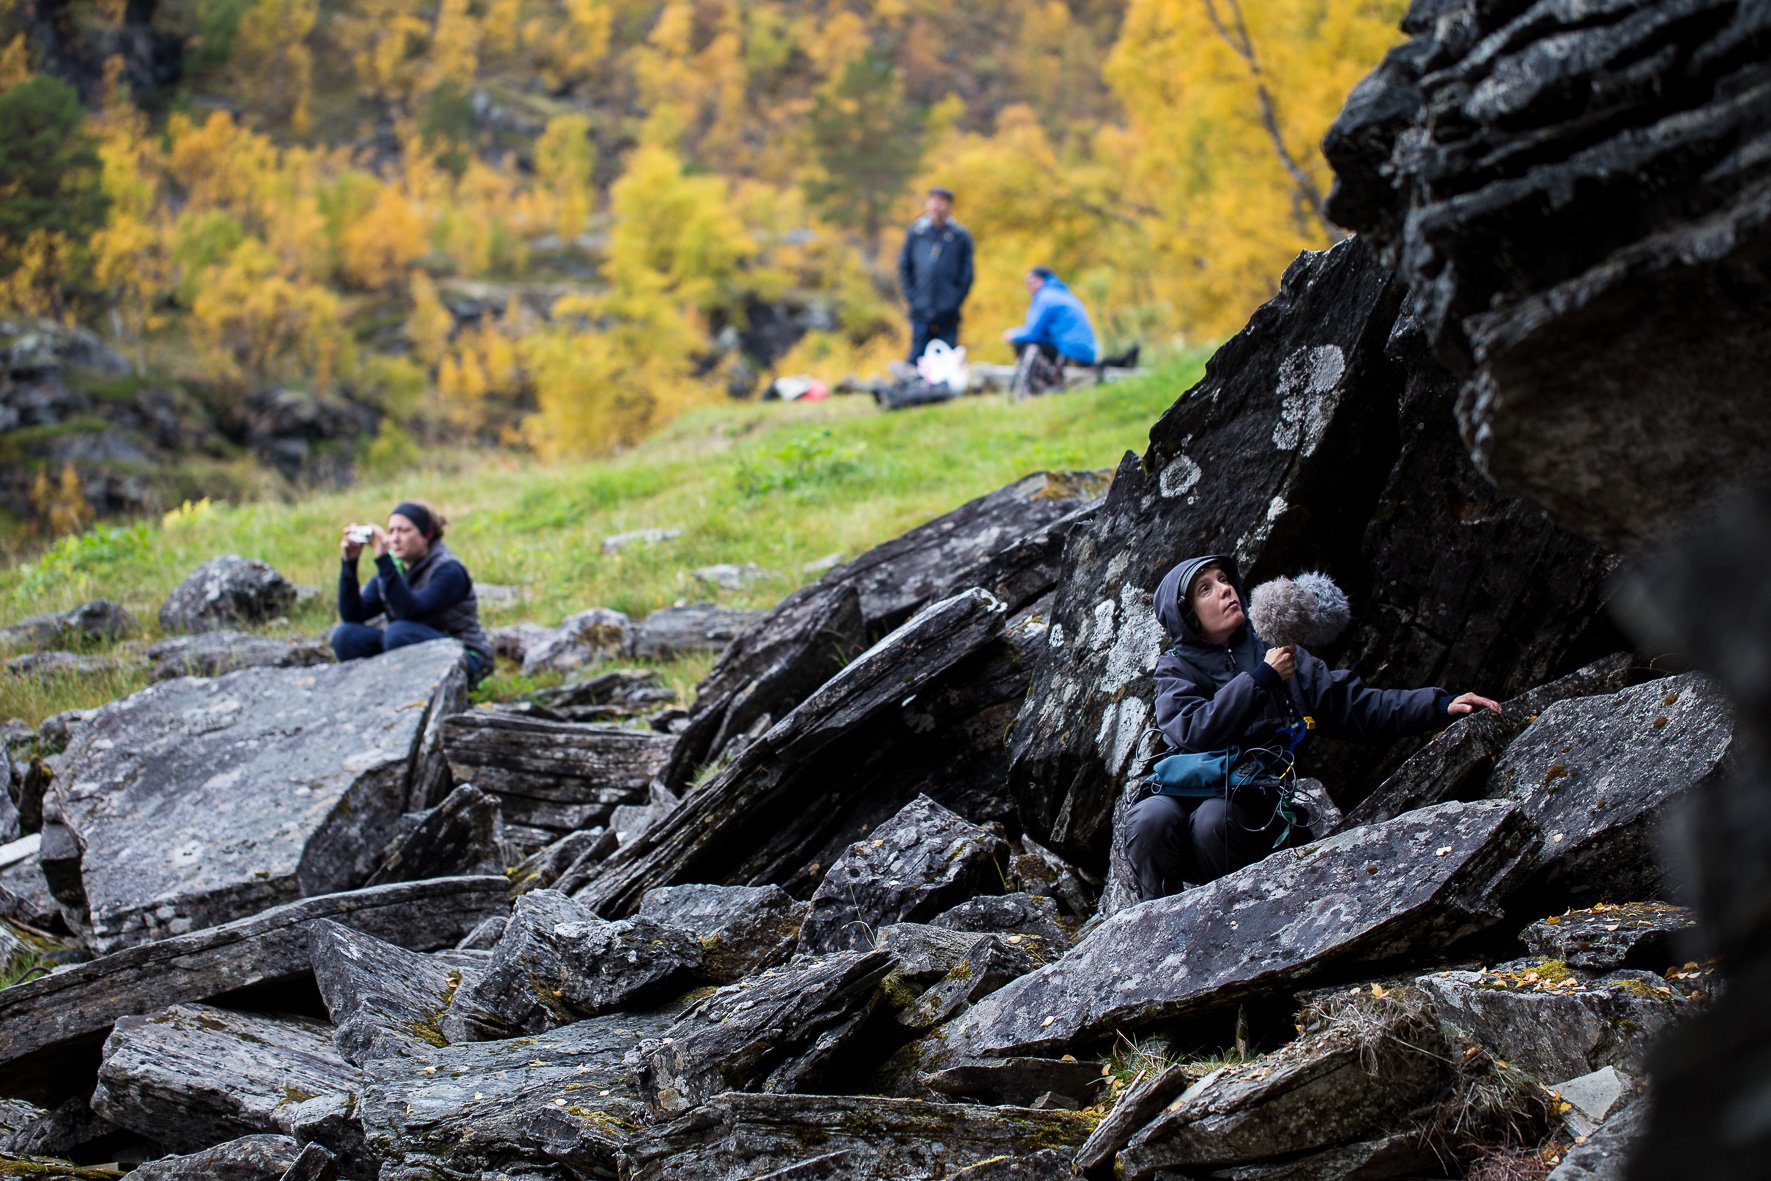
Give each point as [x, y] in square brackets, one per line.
[213, 653]
[192, 1075]
[195, 802]
[262, 1157]
[1456, 764]
[564, 1102]
[558, 777]
[1009, 542]
[783, 1030]
[693, 627]
[1497, 161]
[937, 559]
[385, 1001]
[556, 963]
[916, 865]
[769, 792]
[768, 669]
[1555, 1024]
[1417, 882]
[1319, 438]
[1321, 1091]
[741, 929]
[741, 1136]
[944, 741]
[1598, 776]
[44, 1017]
[226, 591]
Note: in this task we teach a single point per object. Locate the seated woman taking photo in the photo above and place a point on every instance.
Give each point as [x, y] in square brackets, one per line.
[422, 588]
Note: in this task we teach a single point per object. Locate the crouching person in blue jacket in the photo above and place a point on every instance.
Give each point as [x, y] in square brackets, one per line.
[424, 590]
[1221, 686]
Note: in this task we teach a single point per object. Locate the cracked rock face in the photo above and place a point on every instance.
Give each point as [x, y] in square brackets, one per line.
[199, 801]
[1577, 195]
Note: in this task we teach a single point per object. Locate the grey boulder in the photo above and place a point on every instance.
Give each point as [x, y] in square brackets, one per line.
[565, 1102]
[1605, 1155]
[385, 1001]
[462, 835]
[1323, 1091]
[227, 591]
[100, 619]
[693, 627]
[742, 929]
[782, 1030]
[556, 963]
[198, 801]
[583, 639]
[1614, 935]
[1556, 1024]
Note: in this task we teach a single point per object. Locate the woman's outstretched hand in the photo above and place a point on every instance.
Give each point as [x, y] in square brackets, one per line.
[1469, 703]
[348, 548]
[1283, 660]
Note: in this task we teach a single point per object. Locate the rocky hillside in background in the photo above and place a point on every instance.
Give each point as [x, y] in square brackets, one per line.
[858, 911]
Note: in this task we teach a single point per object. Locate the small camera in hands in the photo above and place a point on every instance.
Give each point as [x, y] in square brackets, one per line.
[360, 534]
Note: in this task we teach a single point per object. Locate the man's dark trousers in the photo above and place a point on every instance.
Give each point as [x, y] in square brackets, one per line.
[944, 327]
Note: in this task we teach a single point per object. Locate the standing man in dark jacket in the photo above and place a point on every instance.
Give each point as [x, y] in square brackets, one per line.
[1221, 685]
[935, 273]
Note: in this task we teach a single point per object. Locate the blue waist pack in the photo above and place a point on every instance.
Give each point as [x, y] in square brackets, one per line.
[1202, 775]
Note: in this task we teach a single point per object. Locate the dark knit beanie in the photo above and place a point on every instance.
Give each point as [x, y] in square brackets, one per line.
[419, 516]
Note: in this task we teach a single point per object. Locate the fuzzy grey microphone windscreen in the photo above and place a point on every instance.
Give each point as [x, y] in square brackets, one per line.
[1309, 610]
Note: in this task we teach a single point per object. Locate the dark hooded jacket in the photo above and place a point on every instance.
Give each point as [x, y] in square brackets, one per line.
[436, 591]
[1213, 696]
[935, 268]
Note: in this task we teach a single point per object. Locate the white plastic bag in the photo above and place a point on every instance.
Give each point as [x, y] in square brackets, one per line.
[941, 364]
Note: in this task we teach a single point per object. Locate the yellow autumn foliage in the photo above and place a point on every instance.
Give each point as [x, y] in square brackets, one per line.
[1201, 167]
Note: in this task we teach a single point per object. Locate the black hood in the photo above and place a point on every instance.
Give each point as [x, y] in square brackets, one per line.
[1170, 612]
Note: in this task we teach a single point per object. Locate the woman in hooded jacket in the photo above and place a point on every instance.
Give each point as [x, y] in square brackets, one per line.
[1220, 686]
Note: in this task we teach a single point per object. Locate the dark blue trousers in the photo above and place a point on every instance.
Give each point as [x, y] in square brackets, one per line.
[934, 328]
[354, 641]
[1172, 843]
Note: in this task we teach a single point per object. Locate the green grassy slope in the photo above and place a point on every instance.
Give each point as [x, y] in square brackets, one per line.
[771, 484]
